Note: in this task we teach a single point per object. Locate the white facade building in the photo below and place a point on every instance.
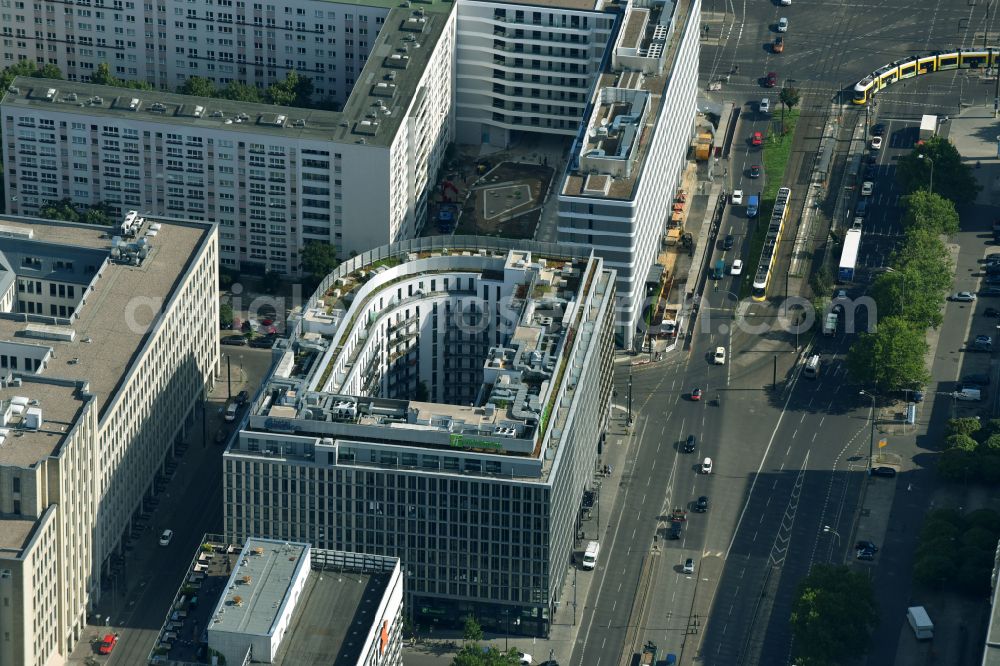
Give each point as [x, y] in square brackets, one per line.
[104, 354]
[442, 406]
[275, 178]
[527, 66]
[630, 154]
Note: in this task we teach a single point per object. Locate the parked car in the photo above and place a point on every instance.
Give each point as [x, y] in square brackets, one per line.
[236, 340]
[263, 342]
[866, 555]
[866, 545]
[701, 505]
[242, 397]
[166, 537]
[878, 129]
[107, 644]
[963, 297]
[887, 472]
[689, 565]
[524, 659]
[690, 444]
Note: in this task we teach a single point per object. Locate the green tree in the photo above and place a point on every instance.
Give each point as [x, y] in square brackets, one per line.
[422, 394]
[473, 654]
[789, 98]
[197, 85]
[102, 75]
[20, 68]
[964, 426]
[833, 615]
[986, 519]
[953, 179]
[225, 315]
[48, 71]
[241, 92]
[908, 293]
[99, 214]
[956, 465]
[294, 90]
[963, 442]
[318, 259]
[63, 209]
[930, 210]
[891, 358]
[934, 570]
[271, 282]
[472, 631]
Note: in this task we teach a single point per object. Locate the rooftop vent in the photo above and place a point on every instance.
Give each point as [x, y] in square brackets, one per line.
[71, 97]
[217, 114]
[50, 94]
[157, 107]
[133, 104]
[397, 61]
[299, 122]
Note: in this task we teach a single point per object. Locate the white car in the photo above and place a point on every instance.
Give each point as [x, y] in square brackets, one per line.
[876, 142]
[782, 24]
[737, 198]
[689, 565]
[719, 358]
[737, 268]
[867, 188]
[963, 297]
[786, 3]
[764, 106]
[706, 466]
[525, 659]
[166, 537]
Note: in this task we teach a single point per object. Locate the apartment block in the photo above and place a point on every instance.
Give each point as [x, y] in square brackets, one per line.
[629, 156]
[527, 66]
[274, 178]
[107, 344]
[442, 406]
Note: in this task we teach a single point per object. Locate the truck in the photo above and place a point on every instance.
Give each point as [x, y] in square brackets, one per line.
[920, 622]
[830, 324]
[648, 656]
[590, 555]
[928, 126]
[849, 256]
[753, 205]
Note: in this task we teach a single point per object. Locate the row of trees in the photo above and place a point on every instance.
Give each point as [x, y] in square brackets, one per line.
[294, 90]
[957, 551]
[971, 451]
[27, 68]
[65, 209]
[833, 616]
[475, 654]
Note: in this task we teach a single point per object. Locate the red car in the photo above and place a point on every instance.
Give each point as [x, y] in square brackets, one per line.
[696, 394]
[757, 139]
[107, 644]
[771, 80]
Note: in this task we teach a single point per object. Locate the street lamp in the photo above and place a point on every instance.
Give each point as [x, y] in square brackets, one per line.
[871, 439]
[927, 157]
[829, 530]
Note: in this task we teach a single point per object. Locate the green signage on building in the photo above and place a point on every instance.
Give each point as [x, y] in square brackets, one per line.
[462, 442]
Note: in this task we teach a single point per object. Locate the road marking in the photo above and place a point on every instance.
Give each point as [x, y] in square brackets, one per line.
[789, 451]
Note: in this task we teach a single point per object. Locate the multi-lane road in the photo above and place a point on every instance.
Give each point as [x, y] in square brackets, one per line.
[788, 458]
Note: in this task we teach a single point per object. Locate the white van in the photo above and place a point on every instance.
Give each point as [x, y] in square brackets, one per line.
[970, 394]
[231, 409]
[812, 367]
[590, 555]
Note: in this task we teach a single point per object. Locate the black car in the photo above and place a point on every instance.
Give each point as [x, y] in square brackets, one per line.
[870, 171]
[989, 291]
[728, 243]
[242, 397]
[676, 529]
[701, 506]
[887, 472]
[866, 555]
[221, 436]
[992, 278]
[690, 444]
[991, 312]
[866, 545]
[878, 129]
[235, 340]
[265, 342]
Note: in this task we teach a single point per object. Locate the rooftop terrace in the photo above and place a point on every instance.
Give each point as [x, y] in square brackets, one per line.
[372, 114]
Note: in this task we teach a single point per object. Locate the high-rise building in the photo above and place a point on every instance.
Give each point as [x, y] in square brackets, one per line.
[443, 406]
[107, 345]
[274, 178]
[628, 159]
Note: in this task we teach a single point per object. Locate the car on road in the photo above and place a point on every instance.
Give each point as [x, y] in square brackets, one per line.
[878, 129]
[963, 297]
[757, 139]
[887, 472]
[676, 529]
[989, 291]
[719, 357]
[770, 79]
[865, 555]
[706, 466]
[701, 505]
[166, 537]
[783, 24]
[242, 397]
[263, 342]
[983, 343]
[737, 198]
[235, 340]
[689, 565]
[876, 143]
[737, 268]
[871, 171]
[696, 394]
[755, 171]
[866, 545]
[778, 45]
[690, 443]
[765, 105]
[728, 242]
[107, 644]
[991, 312]
[867, 188]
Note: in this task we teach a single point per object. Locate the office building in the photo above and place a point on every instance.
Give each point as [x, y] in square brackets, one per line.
[284, 602]
[629, 156]
[274, 178]
[444, 406]
[106, 348]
